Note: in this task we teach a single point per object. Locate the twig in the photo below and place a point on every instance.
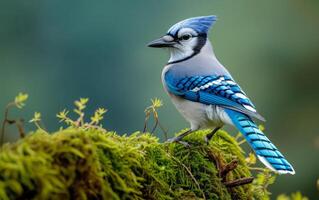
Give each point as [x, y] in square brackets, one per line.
[19, 124]
[145, 125]
[147, 117]
[238, 182]
[155, 125]
[79, 121]
[5, 121]
[223, 170]
[229, 167]
[163, 130]
[156, 103]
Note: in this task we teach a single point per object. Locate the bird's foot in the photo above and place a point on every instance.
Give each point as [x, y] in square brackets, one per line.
[206, 139]
[178, 140]
[210, 135]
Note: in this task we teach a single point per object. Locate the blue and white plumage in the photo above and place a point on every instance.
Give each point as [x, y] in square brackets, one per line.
[205, 93]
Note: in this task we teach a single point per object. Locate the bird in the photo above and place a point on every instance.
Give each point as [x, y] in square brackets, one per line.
[205, 93]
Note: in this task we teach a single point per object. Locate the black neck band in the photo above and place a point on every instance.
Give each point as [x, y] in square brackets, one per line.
[200, 43]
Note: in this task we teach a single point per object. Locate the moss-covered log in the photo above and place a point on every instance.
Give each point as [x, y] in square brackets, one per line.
[93, 164]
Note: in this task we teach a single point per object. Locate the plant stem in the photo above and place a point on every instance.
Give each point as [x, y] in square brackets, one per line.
[238, 182]
[5, 121]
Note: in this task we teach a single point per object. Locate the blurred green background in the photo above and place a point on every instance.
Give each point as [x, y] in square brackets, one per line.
[58, 51]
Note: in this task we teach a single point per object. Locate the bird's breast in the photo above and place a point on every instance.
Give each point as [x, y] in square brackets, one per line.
[200, 115]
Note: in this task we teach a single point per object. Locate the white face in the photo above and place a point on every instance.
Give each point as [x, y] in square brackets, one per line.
[187, 41]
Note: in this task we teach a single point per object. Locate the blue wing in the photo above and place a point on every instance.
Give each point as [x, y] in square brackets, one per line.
[212, 90]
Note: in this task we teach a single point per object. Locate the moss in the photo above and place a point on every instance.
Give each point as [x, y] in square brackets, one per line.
[95, 164]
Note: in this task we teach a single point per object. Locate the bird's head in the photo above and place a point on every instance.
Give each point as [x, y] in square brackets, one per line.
[186, 38]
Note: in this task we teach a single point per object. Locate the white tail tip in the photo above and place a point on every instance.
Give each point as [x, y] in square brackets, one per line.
[268, 165]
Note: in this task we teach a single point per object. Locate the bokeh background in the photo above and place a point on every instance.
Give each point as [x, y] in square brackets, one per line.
[58, 51]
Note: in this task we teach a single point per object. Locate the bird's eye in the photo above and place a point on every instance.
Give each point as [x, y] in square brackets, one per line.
[186, 36]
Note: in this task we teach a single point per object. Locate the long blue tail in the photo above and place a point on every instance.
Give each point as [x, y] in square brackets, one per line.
[267, 153]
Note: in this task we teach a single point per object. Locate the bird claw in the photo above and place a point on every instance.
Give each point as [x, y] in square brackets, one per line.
[178, 140]
[210, 135]
[171, 140]
[206, 139]
[186, 144]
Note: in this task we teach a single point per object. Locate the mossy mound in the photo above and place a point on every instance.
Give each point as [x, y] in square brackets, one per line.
[93, 164]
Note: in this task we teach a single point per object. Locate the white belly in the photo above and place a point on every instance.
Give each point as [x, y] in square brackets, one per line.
[199, 115]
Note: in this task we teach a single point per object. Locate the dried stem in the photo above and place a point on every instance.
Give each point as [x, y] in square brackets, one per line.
[164, 131]
[223, 170]
[145, 126]
[5, 120]
[238, 182]
[19, 124]
[155, 125]
[80, 120]
[147, 117]
[227, 168]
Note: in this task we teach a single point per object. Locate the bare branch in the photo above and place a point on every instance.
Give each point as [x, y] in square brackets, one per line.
[238, 182]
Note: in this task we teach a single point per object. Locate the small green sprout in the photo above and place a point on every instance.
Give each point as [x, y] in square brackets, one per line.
[152, 110]
[20, 100]
[156, 103]
[98, 116]
[36, 120]
[63, 116]
[80, 105]
[36, 117]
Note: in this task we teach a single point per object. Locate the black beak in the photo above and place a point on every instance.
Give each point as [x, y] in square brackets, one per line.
[160, 43]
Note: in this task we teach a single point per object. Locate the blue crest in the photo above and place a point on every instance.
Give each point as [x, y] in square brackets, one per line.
[199, 24]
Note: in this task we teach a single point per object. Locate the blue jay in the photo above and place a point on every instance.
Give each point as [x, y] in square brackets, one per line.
[205, 93]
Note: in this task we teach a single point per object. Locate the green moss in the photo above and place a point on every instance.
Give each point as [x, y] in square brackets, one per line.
[93, 164]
